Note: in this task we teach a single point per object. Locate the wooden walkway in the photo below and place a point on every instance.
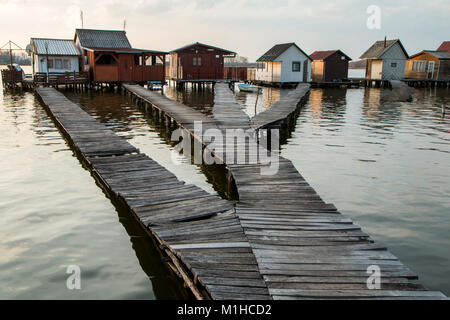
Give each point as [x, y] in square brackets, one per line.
[304, 248]
[200, 233]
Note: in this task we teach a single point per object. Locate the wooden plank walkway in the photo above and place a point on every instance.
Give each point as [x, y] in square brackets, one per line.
[282, 111]
[198, 231]
[305, 249]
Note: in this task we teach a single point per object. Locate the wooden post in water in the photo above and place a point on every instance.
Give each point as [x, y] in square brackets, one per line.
[443, 110]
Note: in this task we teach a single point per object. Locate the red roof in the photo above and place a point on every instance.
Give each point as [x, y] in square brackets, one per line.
[322, 55]
[445, 46]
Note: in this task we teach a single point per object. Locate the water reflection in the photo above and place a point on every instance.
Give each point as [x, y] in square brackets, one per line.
[200, 99]
[53, 215]
[386, 166]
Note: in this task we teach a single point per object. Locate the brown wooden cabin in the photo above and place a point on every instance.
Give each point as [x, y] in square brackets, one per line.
[109, 58]
[432, 65]
[329, 66]
[237, 70]
[198, 61]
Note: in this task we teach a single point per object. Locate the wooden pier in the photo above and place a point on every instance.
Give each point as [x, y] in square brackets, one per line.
[199, 233]
[304, 248]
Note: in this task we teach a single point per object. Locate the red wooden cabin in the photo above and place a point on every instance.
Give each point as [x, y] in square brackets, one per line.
[198, 61]
[109, 57]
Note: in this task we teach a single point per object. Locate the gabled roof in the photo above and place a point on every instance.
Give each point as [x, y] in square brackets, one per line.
[323, 55]
[90, 38]
[379, 48]
[441, 55]
[445, 46]
[54, 47]
[277, 50]
[203, 45]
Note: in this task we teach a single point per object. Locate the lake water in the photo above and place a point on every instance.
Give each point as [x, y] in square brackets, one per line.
[385, 166]
[54, 215]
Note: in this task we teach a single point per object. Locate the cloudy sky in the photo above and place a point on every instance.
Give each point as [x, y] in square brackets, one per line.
[248, 27]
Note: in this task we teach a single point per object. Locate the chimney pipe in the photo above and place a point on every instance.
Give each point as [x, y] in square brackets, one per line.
[385, 41]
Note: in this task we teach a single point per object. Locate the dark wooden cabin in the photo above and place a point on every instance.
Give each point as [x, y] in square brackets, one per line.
[329, 66]
[109, 58]
[198, 61]
[237, 70]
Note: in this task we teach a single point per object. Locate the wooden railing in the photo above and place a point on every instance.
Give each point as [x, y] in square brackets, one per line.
[11, 76]
[61, 78]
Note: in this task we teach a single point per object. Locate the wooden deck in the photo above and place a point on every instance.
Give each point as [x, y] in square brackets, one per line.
[200, 233]
[304, 248]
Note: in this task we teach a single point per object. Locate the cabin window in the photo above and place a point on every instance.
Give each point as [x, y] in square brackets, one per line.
[393, 64]
[66, 64]
[50, 63]
[197, 61]
[58, 64]
[419, 65]
[106, 60]
[296, 65]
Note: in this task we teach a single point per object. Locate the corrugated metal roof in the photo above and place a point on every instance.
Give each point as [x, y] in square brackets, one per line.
[445, 46]
[54, 47]
[277, 50]
[322, 55]
[379, 47]
[90, 38]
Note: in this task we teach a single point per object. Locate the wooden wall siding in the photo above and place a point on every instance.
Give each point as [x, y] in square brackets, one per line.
[335, 68]
[394, 55]
[317, 67]
[236, 73]
[271, 72]
[374, 69]
[125, 71]
[441, 68]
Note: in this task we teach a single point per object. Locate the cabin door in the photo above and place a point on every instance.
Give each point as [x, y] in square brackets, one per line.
[305, 71]
[430, 69]
[126, 63]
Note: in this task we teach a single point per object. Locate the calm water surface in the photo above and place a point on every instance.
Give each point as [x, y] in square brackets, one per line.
[54, 215]
[387, 166]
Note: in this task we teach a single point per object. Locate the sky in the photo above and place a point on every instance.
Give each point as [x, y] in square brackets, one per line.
[248, 27]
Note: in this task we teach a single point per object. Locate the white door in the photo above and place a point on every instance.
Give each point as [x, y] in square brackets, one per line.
[430, 70]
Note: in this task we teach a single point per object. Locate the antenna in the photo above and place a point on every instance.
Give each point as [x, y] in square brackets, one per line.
[82, 20]
[124, 24]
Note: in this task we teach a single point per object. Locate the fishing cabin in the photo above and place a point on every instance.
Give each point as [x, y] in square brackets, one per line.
[55, 61]
[329, 66]
[198, 62]
[386, 60]
[109, 58]
[445, 46]
[283, 65]
[428, 65]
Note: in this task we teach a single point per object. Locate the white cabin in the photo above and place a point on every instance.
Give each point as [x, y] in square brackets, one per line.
[386, 60]
[54, 56]
[282, 64]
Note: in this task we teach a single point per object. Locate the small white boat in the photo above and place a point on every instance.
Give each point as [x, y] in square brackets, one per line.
[248, 87]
